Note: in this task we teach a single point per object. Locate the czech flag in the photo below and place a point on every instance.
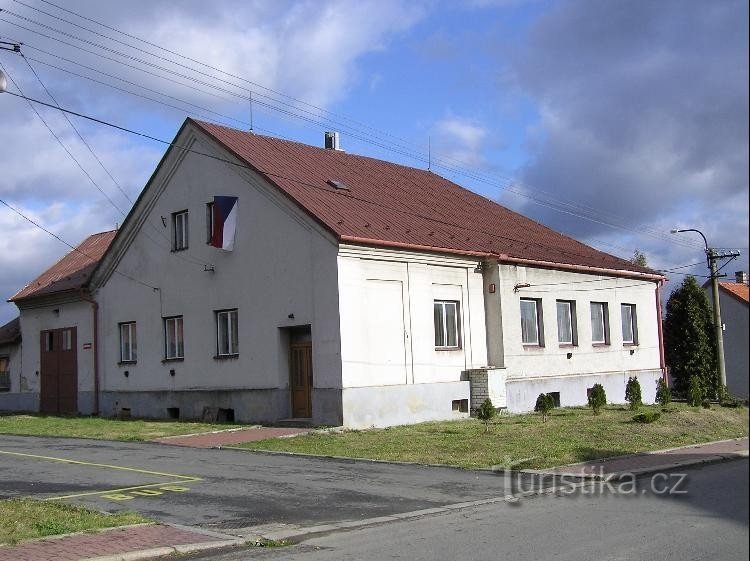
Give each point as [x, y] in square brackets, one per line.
[225, 222]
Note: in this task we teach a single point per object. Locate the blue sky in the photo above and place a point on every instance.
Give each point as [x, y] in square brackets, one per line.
[610, 121]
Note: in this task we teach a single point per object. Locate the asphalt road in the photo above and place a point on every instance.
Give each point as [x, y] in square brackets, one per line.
[708, 522]
[228, 490]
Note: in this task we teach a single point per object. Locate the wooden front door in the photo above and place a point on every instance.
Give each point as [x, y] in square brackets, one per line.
[301, 379]
[59, 371]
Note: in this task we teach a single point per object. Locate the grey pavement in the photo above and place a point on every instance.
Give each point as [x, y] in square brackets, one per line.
[707, 522]
[228, 490]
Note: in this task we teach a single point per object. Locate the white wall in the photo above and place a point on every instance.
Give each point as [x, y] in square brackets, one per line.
[387, 327]
[616, 360]
[281, 266]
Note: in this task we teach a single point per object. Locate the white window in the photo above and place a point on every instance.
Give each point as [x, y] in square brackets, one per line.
[67, 339]
[128, 342]
[566, 322]
[174, 338]
[629, 324]
[447, 324]
[531, 322]
[227, 343]
[599, 323]
[180, 230]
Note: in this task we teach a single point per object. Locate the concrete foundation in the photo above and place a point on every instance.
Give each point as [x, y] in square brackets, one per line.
[522, 392]
[19, 401]
[382, 406]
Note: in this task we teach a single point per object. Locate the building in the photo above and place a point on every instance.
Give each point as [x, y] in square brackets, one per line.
[733, 301]
[260, 279]
[10, 358]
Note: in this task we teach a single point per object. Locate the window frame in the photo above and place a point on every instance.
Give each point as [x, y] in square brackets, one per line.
[573, 321]
[538, 320]
[605, 324]
[232, 344]
[444, 324]
[133, 341]
[5, 374]
[177, 355]
[183, 217]
[209, 221]
[633, 324]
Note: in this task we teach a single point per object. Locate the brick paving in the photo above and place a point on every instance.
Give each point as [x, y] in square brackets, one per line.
[77, 547]
[229, 438]
[662, 459]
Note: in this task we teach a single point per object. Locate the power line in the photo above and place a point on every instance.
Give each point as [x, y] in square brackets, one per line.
[571, 208]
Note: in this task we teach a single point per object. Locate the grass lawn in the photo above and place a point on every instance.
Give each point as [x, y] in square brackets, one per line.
[102, 428]
[23, 519]
[570, 435]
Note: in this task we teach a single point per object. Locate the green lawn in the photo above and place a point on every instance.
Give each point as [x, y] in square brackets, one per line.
[570, 435]
[24, 519]
[102, 428]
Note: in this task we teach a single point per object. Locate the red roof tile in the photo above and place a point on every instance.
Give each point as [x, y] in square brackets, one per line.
[72, 271]
[388, 204]
[737, 289]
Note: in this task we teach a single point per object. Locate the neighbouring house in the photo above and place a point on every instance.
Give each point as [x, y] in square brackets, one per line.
[734, 298]
[10, 359]
[260, 279]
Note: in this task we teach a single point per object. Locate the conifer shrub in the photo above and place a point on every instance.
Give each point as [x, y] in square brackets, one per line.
[633, 393]
[597, 398]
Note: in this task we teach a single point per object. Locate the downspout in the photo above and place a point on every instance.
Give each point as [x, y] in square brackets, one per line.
[95, 311]
[662, 363]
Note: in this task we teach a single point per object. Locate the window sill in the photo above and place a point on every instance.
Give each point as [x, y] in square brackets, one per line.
[176, 359]
[127, 362]
[630, 345]
[177, 250]
[532, 346]
[227, 357]
[568, 345]
[595, 345]
[448, 349]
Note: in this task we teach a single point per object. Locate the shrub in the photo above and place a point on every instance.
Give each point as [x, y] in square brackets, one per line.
[695, 395]
[544, 404]
[663, 394]
[633, 393]
[597, 398]
[486, 413]
[706, 403]
[647, 417]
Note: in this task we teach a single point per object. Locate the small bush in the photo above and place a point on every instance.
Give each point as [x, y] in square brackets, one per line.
[597, 398]
[486, 413]
[696, 394]
[647, 417]
[706, 403]
[663, 394]
[633, 393]
[544, 404]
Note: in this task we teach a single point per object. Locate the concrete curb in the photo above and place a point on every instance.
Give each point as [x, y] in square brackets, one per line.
[168, 550]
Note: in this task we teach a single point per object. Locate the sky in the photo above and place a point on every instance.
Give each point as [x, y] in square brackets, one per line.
[612, 122]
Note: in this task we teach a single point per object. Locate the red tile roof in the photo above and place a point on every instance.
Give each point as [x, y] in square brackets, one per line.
[736, 289]
[10, 332]
[72, 272]
[393, 205]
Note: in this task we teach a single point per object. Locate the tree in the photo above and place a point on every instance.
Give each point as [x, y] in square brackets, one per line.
[486, 413]
[597, 398]
[689, 344]
[696, 394]
[544, 404]
[633, 393]
[639, 259]
[663, 395]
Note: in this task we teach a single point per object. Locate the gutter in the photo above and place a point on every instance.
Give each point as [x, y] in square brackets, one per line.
[662, 362]
[95, 311]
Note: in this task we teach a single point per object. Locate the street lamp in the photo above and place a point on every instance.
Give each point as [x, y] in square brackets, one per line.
[712, 257]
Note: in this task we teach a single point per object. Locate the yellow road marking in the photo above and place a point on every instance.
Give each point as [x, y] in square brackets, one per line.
[176, 478]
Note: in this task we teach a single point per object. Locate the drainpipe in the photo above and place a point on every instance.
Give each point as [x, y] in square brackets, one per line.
[662, 362]
[95, 312]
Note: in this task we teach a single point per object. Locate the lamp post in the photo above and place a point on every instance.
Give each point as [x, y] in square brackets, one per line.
[711, 257]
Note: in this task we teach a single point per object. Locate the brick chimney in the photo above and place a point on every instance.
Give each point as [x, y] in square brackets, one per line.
[741, 277]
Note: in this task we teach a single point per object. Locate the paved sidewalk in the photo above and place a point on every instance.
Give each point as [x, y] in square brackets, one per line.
[230, 437]
[139, 542]
[659, 460]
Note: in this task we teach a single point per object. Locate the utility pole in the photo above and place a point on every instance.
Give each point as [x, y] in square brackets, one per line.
[712, 257]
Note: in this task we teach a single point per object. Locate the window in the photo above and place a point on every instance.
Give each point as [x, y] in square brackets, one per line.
[567, 331]
[4, 374]
[209, 221]
[49, 341]
[599, 323]
[447, 324]
[226, 333]
[180, 230]
[67, 339]
[174, 346]
[128, 342]
[629, 324]
[532, 325]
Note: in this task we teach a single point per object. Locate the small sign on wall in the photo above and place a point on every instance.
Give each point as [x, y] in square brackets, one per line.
[86, 346]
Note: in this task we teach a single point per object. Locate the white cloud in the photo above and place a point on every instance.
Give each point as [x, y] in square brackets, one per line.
[460, 140]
